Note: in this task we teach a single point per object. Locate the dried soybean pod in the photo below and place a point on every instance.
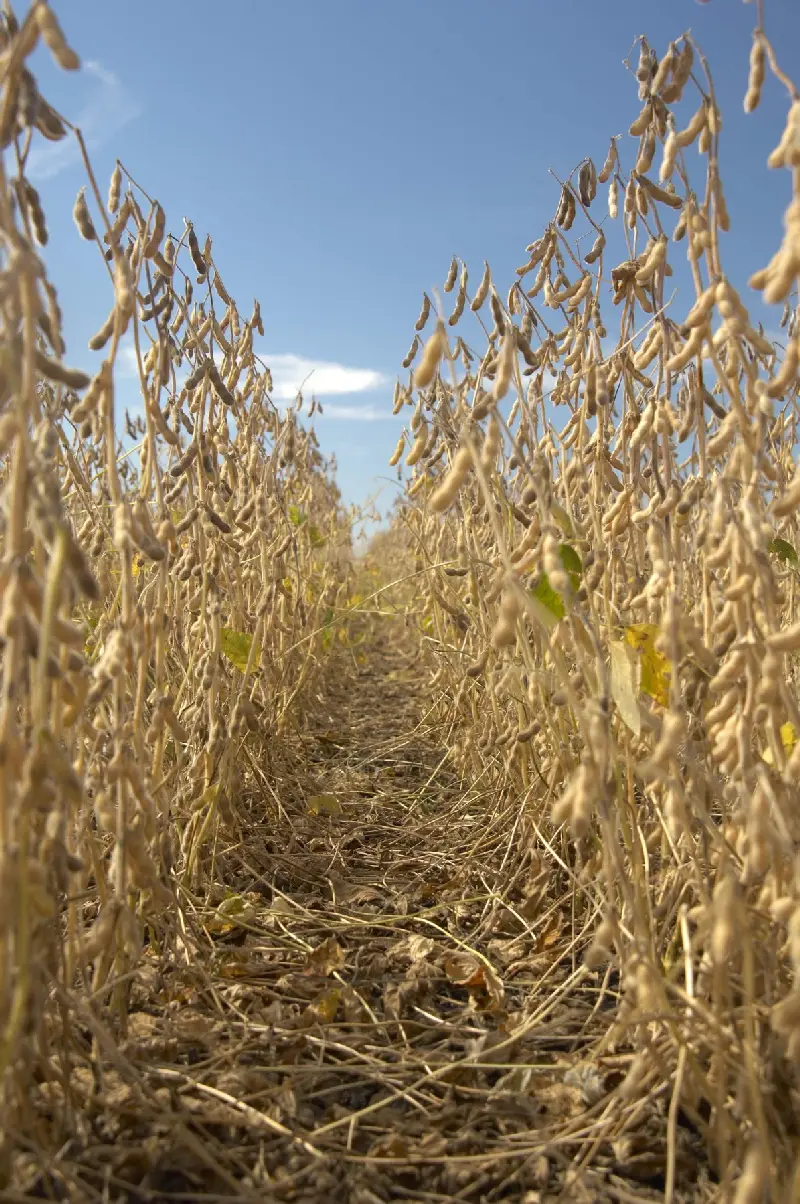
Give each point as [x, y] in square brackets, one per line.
[608, 166]
[33, 205]
[54, 39]
[587, 182]
[159, 225]
[483, 289]
[597, 248]
[641, 123]
[613, 198]
[505, 364]
[99, 340]
[659, 194]
[446, 493]
[114, 189]
[73, 378]
[431, 356]
[461, 298]
[755, 79]
[398, 451]
[565, 214]
[449, 283]
[194, 251]
[424, 313]
[412, 352]
[82, 218]
[419, 444]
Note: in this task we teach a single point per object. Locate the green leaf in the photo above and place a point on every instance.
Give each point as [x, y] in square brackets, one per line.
[296, 516]
[236, 646]
[548, 597]
[316, 537]
[563, 519]
[572, 563]
[783, 549]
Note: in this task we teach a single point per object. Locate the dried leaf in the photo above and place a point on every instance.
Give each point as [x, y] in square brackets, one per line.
[324, 804]
[625, 684]
[326, 958]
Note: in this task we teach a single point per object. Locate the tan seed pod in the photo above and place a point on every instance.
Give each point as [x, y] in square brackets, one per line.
[53, 37]
[613, 199]
[659, 194]
[642, 121]
[411, 353]
[787, 640]
[449, 283]
[419, 445]
[32, 202]
[461, 298]
[695, 127]
[197, 259]
[114, 189]
[154, 242]
[647, 150]
[755, 79]
[73, 378]
[423, 313]
[398, 451]
[504, 632]
[597, 249]
[587, 182]
[446, 493]
[82, 218]
[435, 348]
[565, 214]
[505, 365]
[611, 160]
[483, 289]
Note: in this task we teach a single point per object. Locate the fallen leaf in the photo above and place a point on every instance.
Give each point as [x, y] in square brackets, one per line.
[324, 804]
[326, 958]
[325, 1006]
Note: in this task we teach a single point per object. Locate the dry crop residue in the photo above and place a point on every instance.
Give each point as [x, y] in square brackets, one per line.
[383, 1003]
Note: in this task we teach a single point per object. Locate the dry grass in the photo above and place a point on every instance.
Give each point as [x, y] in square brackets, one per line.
[466, 872]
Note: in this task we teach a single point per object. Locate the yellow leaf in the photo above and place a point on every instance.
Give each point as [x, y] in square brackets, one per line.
[326, 1005]
[641, 635]
[236, 646]
[655, 672]
[324, 804]
[625, 684]
[788, 740]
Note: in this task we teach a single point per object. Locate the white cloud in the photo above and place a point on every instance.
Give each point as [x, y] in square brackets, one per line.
[127, 363]
[356, 413]
[291, 373]
[109, 107]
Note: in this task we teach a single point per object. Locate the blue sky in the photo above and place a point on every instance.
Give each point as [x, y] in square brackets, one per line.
[340, 152]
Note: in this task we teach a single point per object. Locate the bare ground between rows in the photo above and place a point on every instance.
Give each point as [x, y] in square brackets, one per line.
[380, 1001]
